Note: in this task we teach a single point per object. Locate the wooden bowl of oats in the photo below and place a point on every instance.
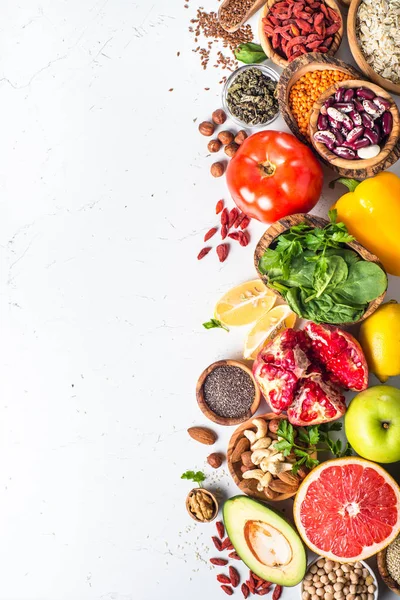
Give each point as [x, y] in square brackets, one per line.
[365, 41]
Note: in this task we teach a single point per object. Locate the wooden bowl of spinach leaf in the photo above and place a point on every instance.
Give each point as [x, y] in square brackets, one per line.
[320, 270]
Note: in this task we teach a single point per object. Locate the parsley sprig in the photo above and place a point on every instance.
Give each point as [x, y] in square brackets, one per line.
[196, 476]
[310, 436]
[213, 323]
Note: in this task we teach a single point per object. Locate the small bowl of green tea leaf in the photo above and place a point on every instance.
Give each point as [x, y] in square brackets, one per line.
[249, 96]
[320, 270]
[227, 392]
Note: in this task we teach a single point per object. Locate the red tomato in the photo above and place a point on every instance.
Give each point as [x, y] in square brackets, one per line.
[273, 175]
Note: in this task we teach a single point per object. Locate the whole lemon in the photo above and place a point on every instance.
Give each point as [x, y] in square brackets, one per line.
[380, 340]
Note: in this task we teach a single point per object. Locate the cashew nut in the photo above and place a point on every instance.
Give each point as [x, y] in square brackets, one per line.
[278, 457]
[261, 443]
[266, 480]
[251, 436]
[262, 428]
[254, 474]
[258, 455]
[277, 467]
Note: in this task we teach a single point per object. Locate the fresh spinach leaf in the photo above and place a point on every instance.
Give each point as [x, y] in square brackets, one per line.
[349, 256]
[329, 271]
[366, 281]
[250, 53]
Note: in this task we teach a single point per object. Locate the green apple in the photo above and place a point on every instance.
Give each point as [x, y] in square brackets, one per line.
[372, 424]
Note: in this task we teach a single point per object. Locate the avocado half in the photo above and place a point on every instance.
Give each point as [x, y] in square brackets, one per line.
[265, 541]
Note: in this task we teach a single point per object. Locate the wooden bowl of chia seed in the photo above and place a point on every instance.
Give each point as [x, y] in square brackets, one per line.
[227, 392]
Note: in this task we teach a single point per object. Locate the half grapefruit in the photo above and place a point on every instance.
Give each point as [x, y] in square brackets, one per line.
[348, 509]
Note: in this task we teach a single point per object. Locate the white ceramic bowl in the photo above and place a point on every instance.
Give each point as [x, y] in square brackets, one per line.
[364, 564]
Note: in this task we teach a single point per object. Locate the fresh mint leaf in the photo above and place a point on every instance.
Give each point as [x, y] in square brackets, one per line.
[214, 323]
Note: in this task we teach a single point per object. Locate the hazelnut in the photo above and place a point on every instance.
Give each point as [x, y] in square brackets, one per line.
[215, 460]
[217, 169]
[214, 145]
[226, 137]
[231, 149]
[240, 136]
[219, 116]
[206, 128]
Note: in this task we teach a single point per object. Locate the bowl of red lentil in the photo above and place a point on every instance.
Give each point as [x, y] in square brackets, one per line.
[227, 392]
[301, 84]
[289, 30]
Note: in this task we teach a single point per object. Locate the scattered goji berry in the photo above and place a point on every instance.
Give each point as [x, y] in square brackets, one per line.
[203, 252]
[220, 529]
[210, 233]
[262, 591]
[226, 542]
[228, 590]
[219, 206]
[243, 238]
[235, 577]
[239, 219]
[222, 251]
[245, 590]
[251, 585]
[276, 594]
[224, 231]
[217, 543]
[245, 222]
[219, 562]
[223, 578]
[233, 216]
[234, 555]
[225, 217]
[234, 235]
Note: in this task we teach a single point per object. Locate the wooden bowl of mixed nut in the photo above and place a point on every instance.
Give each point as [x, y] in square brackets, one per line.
[201, 505]
[256, 467]
[280, 45]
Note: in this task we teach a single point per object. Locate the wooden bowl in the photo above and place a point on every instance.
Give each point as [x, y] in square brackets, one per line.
[208, 494]
[204, 406]
[384, 573]
[314, 61]
[369, 165]
[234, 468]
[254, 8]
[359, 56]
[269, 238]
[277, 58]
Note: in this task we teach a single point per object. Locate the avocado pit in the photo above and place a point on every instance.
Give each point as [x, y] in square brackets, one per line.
[268, 545]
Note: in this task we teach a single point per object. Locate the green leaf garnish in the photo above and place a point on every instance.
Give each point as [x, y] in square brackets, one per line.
[214, 323]
[196, 476]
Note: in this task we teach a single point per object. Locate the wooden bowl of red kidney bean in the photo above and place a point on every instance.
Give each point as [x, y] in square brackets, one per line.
[355, 125]
[287, 28]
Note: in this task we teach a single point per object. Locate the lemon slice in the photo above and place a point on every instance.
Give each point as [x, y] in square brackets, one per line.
[266, 328]
[244, 303]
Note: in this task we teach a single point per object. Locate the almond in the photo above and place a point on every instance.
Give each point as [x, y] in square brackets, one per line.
[243, 468]
[289, 478]
[303, 471]
[242, 445]
[202, 435]
[270, 494]
[273, 425]
[279, 486]
[248, 486]
[215, 460]
[246, 459]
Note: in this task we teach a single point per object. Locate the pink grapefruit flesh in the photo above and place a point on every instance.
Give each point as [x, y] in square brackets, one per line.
[348, 509]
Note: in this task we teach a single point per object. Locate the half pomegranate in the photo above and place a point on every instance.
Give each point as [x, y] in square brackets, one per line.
[341, 355]
[316, 401]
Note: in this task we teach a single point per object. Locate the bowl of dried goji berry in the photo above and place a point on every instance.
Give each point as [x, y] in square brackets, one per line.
[288, 29]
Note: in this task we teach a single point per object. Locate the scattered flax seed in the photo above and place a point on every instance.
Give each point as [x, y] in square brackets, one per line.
[171, 89]
[178, 53]
[207, 25]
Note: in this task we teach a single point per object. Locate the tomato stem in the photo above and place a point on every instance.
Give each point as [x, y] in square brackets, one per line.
[267, 168]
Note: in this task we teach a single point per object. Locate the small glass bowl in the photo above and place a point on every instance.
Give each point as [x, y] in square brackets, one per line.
[266, 71]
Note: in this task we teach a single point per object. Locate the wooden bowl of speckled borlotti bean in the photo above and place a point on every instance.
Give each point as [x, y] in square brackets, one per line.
[312, 28]
[257, 469]
[300, 85]
[355, 125]
[227, 392]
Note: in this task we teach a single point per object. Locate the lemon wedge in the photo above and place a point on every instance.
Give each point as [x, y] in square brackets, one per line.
[266, 328]
[244, 303]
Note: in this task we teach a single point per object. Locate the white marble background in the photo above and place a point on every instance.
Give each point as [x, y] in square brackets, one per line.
[105, 196]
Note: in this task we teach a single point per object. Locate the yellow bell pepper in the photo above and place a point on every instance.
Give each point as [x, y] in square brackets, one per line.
[371, 213]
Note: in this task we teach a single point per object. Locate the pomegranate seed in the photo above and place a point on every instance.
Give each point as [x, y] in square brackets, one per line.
[210, 233]
[203, 252]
